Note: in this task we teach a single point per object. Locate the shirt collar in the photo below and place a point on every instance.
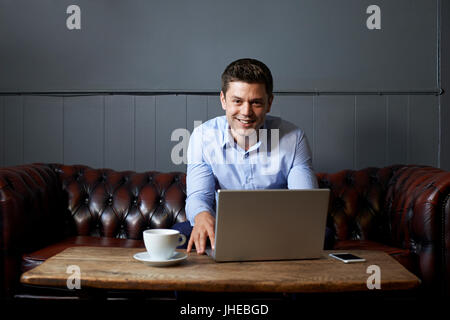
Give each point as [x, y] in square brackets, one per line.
[228, 138]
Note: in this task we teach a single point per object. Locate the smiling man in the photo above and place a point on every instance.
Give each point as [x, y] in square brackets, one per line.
[245, 149]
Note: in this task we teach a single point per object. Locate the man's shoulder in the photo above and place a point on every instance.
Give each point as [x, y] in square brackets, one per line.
[211, 131]
[214, 123]
[285, 126]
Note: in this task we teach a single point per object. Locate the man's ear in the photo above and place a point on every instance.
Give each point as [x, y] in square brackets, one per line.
[222, 100]
[269, 103]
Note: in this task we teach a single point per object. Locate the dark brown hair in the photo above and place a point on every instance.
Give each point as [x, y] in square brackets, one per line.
[247, 70]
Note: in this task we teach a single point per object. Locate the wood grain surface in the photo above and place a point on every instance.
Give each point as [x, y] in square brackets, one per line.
[115, 268]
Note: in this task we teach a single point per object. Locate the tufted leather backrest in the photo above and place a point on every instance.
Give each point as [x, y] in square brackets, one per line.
[108, 203]
[357, 202]
[367, 204]
[30, 207]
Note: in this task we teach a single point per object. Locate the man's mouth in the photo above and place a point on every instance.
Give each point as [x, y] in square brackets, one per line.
[245, 121]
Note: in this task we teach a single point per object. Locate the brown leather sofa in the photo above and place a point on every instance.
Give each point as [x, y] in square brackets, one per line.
[44, 208]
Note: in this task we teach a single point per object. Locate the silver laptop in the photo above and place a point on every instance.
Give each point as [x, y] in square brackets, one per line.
[270, 224]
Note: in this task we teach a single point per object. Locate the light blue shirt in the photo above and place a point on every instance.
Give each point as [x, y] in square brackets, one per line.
[281, 158]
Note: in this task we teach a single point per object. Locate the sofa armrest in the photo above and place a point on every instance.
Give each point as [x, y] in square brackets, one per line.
[418, 212]
[31, 216]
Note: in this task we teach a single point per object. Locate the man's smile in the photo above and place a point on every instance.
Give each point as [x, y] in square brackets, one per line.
[245, 122]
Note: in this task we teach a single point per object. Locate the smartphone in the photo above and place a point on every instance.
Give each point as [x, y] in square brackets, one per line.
[347, 257]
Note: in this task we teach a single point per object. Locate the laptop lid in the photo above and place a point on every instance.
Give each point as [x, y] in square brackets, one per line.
[270, 224]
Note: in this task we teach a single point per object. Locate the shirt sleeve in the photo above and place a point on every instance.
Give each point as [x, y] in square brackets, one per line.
[301, 174]
[200, 181]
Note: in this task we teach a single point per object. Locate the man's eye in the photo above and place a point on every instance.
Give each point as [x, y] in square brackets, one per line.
[237, 101]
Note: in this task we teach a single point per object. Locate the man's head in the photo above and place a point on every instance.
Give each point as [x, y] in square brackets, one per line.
[246, 95]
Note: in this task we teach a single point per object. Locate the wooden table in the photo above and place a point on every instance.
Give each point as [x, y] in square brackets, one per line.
[115, 268]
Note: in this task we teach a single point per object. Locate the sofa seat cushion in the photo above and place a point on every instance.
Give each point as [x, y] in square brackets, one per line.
[404, 256]
[32, 260]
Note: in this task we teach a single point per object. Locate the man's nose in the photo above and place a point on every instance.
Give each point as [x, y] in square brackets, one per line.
[246, 109]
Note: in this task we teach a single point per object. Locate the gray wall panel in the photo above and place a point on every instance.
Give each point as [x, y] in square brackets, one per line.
[334, 132]
[397, 129]
[13, 130]
[299, 111]
[275, 110]
[424, 130]
[134, 132]
[145, 133]
[214, 107]
[170, 115]
[178, 45]
[84, 131]
[119, 132]
[43, 124]
[370, 133]
[196, 110]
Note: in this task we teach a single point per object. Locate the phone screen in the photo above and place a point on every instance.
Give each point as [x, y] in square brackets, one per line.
[346, 256]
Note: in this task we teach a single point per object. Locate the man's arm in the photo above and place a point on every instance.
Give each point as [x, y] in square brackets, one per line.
[200, 188]
[301, 175]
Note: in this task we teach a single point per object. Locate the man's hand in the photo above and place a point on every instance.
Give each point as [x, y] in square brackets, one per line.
[203, 228]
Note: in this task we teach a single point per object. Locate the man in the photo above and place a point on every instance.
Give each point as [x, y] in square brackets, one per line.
[224, 152]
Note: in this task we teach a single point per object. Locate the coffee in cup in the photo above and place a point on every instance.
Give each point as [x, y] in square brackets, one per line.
[161, 243]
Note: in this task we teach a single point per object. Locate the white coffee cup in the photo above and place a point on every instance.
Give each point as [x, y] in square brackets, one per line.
[161, 243]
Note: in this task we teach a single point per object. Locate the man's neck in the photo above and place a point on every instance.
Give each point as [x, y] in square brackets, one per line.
[246, 142]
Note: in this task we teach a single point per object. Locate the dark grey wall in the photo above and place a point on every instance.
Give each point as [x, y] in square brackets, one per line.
[183, 45]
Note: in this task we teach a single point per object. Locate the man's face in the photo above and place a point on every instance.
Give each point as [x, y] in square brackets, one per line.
[245, 105]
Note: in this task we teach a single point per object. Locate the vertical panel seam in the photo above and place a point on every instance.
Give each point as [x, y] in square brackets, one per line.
[63, 128]
[207, 107]
[4, 131]
[104, 132]
[206, 110]
[439, 132]
[386, 119]
[23, 129]
[186, 110]
[313, 128]
[187, 129]
[438, 162]
[154, 135]
[134, 133]
[408, 130]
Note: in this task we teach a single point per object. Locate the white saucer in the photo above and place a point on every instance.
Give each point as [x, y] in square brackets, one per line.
[145, 257]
